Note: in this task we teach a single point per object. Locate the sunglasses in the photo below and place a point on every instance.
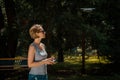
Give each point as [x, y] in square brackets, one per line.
[42, 31]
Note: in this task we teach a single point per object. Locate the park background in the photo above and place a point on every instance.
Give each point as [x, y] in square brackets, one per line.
[83, 35]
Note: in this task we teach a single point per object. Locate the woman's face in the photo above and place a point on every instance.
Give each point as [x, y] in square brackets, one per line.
[42, 33]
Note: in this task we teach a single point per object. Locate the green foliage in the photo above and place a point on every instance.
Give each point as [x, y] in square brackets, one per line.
[110, 9]
[64, 23]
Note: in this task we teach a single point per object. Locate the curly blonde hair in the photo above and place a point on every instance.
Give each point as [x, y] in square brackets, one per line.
[36, 28]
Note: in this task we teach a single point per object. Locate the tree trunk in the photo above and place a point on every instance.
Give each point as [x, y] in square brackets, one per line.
[1, 19]
[60, 55]
[12, 29]
[83, 53]
[2, 36]
[60, 49]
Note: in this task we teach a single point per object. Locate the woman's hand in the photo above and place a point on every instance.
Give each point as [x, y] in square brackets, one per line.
[52, 58]
[48, 61]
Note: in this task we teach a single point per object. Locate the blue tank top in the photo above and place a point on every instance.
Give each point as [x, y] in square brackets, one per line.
[39, 55]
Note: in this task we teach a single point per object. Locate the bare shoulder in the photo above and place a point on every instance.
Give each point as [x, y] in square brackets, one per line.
[31, 47]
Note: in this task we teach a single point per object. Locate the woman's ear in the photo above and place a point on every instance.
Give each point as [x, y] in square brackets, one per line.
[37, 35]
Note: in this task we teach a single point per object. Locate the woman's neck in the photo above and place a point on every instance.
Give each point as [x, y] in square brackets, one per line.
[37, 41]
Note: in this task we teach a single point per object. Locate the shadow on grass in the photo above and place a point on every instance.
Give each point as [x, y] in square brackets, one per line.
[67, 71]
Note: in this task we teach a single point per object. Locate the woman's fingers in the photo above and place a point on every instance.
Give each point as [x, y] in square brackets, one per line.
[48, 61]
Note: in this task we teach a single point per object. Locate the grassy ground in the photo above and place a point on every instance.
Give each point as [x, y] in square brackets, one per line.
[96, 69]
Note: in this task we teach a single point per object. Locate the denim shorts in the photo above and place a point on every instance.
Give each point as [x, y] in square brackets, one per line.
[37, 77]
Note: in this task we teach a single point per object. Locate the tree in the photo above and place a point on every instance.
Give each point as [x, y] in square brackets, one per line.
[113, 20]
[2, 35]
[1, 19]
[64, 23]
[12, 28]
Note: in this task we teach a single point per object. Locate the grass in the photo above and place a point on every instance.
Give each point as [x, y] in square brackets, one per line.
[96, 69]
[70, 69]
[84, 77]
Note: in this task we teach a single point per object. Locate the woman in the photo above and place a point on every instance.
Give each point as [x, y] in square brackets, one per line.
[37, 55]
